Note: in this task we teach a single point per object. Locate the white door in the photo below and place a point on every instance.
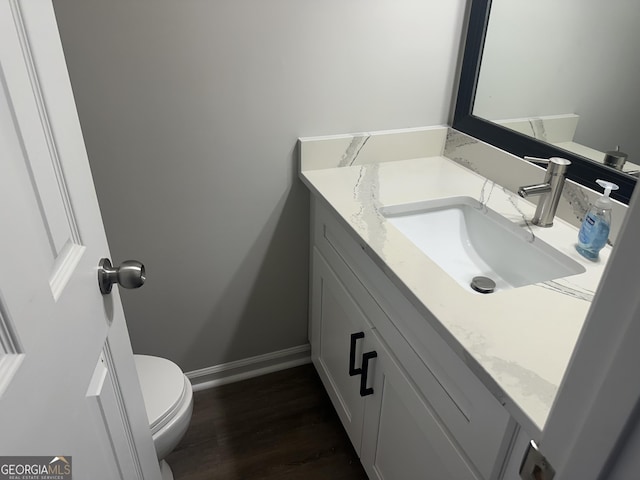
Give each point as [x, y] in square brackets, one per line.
[68, 385]
[587, 432]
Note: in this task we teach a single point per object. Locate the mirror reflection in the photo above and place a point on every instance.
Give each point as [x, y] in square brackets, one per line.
[565, 73]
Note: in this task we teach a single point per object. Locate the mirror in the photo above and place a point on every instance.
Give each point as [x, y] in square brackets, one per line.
[543, 78]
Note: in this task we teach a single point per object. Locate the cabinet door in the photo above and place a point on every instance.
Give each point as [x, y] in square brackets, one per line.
[402, 438]
[338, 328]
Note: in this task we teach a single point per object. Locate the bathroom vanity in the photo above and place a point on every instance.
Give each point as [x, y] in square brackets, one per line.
[427, 375]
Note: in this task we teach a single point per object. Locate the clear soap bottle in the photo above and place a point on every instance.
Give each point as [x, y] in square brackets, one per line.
[596, 225]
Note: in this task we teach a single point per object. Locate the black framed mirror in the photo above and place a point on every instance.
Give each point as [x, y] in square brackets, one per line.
[583, 169]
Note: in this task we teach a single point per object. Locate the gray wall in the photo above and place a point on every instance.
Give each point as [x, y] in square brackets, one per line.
[191, 110]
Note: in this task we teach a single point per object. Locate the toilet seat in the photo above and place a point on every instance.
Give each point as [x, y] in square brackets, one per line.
[164, 389]
[168, 400]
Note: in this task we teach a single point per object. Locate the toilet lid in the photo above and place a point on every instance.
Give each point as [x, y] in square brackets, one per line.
[163, 388]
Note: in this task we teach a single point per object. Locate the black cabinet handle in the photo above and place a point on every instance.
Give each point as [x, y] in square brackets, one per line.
[352, 354]
[364, 391]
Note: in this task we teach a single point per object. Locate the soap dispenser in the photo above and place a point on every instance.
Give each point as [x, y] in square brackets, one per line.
[595, 228]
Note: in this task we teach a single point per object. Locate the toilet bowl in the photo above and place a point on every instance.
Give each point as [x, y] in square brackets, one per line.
[168, 399]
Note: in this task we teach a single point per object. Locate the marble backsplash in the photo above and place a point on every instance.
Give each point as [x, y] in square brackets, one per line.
[549, 128]
[512, 172]
[374, 147]
[492, 163]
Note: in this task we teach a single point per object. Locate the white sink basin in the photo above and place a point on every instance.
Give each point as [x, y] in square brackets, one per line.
[467, 239]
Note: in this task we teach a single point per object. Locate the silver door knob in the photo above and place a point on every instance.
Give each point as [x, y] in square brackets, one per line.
[130, 274]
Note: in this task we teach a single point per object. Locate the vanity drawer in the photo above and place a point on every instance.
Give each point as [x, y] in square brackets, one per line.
[473, 416]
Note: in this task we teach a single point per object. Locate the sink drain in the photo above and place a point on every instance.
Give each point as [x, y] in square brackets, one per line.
[483, 284]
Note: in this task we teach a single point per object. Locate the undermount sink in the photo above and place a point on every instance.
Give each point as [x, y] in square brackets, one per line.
[467, 240]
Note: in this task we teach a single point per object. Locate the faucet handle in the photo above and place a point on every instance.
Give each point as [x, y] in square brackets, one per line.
[543, 161]
[555, 165]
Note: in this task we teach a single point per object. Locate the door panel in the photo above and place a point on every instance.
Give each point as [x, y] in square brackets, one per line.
[336, 317]
[104, 399]
[54, 323]
[11, 352]
[403, 439]
[28, 136]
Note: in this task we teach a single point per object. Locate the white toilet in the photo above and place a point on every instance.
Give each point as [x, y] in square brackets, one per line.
[168, 398]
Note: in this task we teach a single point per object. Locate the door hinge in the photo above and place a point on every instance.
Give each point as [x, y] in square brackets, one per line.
[535, 466]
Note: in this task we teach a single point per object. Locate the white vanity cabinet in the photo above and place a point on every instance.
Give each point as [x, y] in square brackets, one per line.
[421, 413]
[390, 425]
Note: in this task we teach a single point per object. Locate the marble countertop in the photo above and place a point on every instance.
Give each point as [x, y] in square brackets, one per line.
[517, 341]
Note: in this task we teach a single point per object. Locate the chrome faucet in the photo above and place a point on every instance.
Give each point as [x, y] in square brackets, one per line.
[550, 190]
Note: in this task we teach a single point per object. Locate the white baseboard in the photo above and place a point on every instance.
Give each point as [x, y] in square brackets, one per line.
[222, 374]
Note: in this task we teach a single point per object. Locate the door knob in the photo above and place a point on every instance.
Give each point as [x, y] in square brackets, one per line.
[130, 274]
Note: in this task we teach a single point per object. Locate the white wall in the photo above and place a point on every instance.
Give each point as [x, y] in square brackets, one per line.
[576, 56]
[191, 110]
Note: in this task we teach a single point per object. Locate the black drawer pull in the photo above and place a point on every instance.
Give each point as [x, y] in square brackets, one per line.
[352, 354]
[364, 391]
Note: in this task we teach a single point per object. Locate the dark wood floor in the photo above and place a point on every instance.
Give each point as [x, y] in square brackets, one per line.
[278, 426]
